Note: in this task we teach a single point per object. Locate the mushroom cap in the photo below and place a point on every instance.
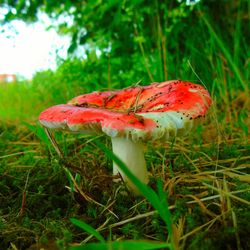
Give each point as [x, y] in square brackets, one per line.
[160, 110]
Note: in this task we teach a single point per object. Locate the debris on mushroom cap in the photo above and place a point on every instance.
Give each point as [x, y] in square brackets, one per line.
[159, 110]
[159, 97]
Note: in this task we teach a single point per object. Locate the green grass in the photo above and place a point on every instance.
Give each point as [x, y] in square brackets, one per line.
[208, 193]
[198, 196]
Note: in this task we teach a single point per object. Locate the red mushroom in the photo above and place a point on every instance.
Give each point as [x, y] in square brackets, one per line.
[132, 116]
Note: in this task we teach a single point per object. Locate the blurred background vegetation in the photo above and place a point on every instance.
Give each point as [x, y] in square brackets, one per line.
[115, 44]
[129, 41]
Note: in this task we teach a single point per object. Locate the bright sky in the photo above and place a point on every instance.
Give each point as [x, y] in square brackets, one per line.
[30, 48]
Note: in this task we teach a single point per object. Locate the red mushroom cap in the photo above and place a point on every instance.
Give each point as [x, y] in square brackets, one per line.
[149, 112]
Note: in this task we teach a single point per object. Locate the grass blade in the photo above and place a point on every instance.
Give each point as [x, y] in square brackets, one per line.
[160, 205]
[116, 245]
[84, 226]
[226, 53]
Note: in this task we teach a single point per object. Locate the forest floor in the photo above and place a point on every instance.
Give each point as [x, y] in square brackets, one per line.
[205, 177]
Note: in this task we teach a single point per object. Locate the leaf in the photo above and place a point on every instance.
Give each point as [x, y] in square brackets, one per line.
[84, 226]
[39, 132]
[69, 175]
[226, 52]
[158, 203]
[123, 245]
[165, 212]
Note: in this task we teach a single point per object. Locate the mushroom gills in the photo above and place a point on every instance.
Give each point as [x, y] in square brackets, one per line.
[169, 124]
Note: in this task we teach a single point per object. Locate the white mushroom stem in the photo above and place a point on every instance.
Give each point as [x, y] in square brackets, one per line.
[131, 153]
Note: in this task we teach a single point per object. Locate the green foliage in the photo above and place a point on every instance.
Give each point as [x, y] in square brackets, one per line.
[149, 40]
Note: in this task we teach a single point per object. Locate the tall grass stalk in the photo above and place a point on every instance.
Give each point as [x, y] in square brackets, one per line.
[126, 245]
[159, 202]
[226, 52]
